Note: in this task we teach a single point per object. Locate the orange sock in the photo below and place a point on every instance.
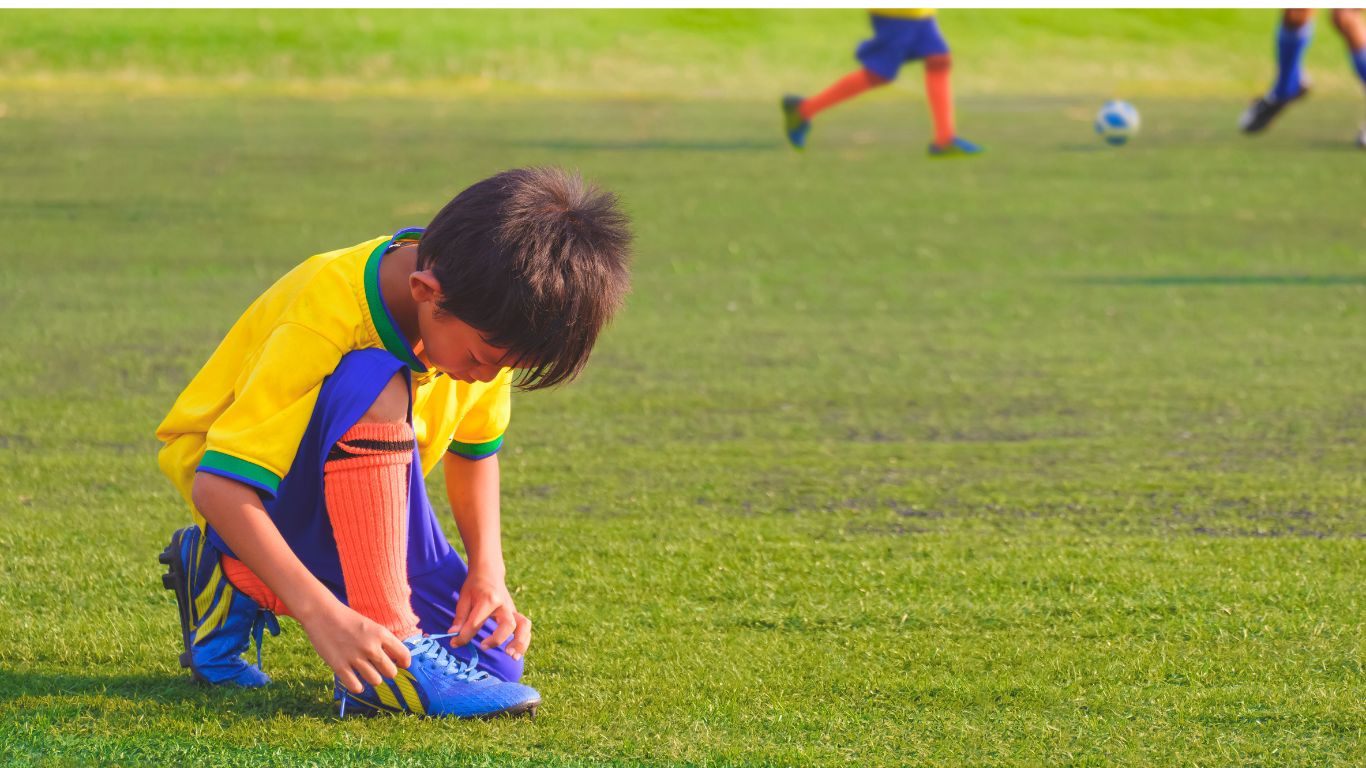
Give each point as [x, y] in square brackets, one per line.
[365, 482]
[247, 583]
[846, 87]
[940, 97]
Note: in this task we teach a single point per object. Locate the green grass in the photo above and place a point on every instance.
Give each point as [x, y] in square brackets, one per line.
[1052, 457]
[666, 53]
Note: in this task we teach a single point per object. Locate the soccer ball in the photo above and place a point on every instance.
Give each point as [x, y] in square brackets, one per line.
[1116, 122]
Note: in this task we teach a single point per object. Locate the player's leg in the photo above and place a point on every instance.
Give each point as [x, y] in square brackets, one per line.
[843, 89]
[223, 605]
[881, 58]
[366, 478]
[344, 505]
[1352, 25]
[929, 44]
[1292, 40]
[939, 94]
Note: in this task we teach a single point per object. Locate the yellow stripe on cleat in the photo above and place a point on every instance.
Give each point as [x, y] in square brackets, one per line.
[408, 691]
[214, 620]
[387, 698]
[204, 599]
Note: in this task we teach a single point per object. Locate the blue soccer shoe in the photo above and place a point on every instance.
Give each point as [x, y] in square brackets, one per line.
[794, 125]
[217, 622]
[437, 684]
[958, 147]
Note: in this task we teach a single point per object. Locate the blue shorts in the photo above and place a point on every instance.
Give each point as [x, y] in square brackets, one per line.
[896, 41]
[435, 570]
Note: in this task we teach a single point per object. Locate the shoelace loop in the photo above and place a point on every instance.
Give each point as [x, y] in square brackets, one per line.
[264, 620]
[448, 663]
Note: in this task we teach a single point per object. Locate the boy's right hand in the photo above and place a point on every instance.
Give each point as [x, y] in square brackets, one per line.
[355, 647]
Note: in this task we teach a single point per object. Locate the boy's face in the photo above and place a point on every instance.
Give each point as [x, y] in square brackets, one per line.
[449, 344]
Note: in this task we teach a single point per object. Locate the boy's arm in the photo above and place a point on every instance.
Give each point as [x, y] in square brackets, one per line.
[352, 645]
[473, 489]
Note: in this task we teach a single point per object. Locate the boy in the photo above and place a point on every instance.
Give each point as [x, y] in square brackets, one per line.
[302, 444]
[1291, 42]
[899, 36]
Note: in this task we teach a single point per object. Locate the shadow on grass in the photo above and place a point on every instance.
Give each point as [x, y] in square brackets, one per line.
[1158, 280]
[650, 145]
[62, 691]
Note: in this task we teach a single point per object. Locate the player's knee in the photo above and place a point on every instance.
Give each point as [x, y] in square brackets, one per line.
[1295, 18]
[391, 406]
[939, 62]
[1347, 20]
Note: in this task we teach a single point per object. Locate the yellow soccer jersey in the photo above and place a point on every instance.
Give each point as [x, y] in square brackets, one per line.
[904, 13]
[245, 412]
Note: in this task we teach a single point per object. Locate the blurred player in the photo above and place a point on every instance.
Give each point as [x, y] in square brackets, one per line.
[899, 36]
[1296, 29]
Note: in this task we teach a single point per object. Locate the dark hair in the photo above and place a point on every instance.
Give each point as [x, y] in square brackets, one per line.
[536, 260]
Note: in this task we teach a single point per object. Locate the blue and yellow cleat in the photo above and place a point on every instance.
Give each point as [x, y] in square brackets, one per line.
[217, 622]
[794, 125]
[956, 148]
[437, 684]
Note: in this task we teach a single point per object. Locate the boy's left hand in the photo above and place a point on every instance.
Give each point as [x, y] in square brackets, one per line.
[486, 595]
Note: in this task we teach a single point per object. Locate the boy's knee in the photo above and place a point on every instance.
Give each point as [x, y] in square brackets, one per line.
[1348, 21]
[391, 406]
[1295, 18]
[940, 62]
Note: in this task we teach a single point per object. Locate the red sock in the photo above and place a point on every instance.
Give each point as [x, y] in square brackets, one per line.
[247, 583]
[844, 88]
[365, 482]
[940, 97]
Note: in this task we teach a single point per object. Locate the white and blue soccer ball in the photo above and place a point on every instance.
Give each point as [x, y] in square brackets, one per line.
[1117, 122]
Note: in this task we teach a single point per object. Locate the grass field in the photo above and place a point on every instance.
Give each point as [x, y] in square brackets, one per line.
[1050, 458]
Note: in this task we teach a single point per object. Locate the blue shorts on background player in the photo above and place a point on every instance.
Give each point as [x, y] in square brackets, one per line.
[1292, 40]
[899, 36]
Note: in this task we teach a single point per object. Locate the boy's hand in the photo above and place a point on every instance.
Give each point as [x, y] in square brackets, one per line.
[355, 647]
[484, 595]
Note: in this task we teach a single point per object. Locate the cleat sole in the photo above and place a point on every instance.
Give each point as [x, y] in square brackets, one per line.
[358, 707]
[528, 709]
[175, 580]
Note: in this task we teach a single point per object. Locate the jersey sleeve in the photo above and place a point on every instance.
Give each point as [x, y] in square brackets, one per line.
[479, 434]
[255, 439]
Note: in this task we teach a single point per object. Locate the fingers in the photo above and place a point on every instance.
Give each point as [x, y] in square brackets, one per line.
[367, 672]
[473, 621]
[521, 638]
[349, 679]
[507, 622]
[462, 615]
[379, 659]
[394, 649]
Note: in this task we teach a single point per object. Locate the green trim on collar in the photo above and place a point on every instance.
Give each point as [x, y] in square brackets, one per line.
[241, 470]
[389, 334]
[476, 450]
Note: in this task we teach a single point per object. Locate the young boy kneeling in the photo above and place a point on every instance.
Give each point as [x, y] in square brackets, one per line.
[302, 444]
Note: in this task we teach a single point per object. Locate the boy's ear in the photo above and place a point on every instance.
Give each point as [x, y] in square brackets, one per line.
[424, 286]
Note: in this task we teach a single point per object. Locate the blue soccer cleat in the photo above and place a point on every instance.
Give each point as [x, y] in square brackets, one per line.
[794, 125]
[437, 684]
[217, 622]
[956, 148]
